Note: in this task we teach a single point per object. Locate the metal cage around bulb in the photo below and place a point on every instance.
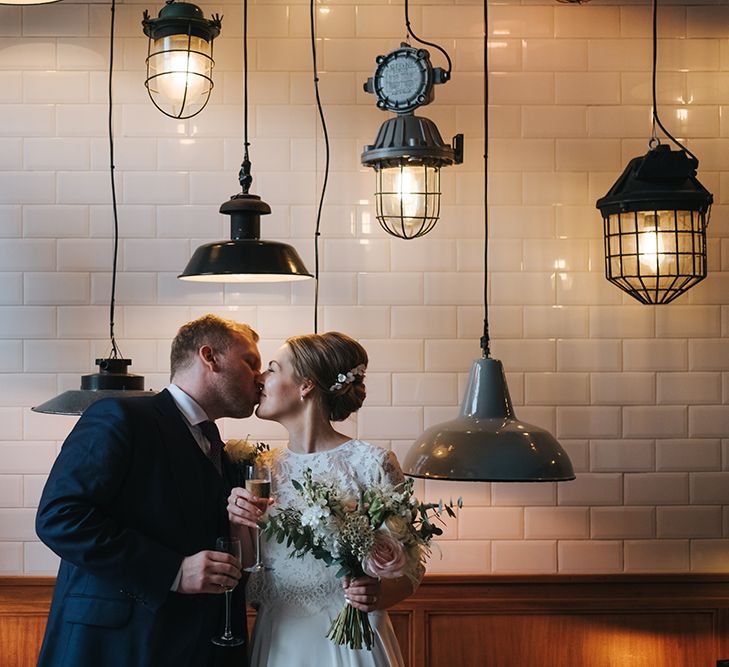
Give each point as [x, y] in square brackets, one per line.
[654, 220]
[180, 58]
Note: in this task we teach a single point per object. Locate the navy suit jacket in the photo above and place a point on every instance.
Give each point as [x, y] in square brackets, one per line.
[129, 496]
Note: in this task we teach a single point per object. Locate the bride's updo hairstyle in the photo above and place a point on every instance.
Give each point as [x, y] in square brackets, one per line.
[336, 364]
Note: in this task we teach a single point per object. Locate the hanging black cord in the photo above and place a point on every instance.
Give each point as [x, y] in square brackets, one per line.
[421, 41]
[244, 176]
[485, 341]
[656, 119]
[115, 352]
[325, 132]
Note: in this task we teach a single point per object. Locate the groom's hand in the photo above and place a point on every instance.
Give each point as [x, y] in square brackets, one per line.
[209, 572]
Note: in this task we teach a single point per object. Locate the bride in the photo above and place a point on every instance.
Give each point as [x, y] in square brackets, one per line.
[311, 381]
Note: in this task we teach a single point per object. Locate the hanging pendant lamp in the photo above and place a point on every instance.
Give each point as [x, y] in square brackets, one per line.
[112, 379]
[180, 58]
[408, 152]
[655, 218]
[486, 441]
[245, 258]
[18, 3]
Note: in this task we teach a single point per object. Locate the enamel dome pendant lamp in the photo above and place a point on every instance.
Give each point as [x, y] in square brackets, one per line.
[180, 58]
[408, 152]
[486, 441]
[655, 218]
[245, 258]
[112, 378]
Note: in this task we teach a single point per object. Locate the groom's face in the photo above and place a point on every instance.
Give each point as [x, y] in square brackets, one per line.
[237, 378]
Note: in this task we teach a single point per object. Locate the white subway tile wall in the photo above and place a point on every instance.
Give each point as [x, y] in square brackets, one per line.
[637, 394]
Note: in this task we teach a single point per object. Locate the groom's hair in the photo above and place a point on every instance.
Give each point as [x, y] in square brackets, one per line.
[206, 330]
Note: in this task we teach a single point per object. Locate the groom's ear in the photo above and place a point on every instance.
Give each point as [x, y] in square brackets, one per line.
[207, 357]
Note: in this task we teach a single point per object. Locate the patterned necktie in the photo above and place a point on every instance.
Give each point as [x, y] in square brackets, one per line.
[211, 432]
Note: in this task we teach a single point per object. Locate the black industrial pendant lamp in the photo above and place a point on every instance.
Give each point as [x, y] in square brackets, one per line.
[486, 442]
[655, 218]
[245, 258]
[112, 378]
[408, 152]
[180, 58]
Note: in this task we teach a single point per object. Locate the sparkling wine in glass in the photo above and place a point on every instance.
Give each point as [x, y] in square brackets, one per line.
[258, 482]
[229, 545]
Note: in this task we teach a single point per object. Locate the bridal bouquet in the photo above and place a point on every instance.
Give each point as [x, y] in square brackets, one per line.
[383, 532]
[243, 454]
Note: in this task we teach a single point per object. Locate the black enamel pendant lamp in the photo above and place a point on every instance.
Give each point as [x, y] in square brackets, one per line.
[112, 378]
[245, 258]
[655, 218]
[486, 441]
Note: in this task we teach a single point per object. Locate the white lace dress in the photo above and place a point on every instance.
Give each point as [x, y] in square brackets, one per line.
[300, 597]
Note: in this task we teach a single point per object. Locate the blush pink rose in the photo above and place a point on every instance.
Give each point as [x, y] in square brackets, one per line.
[387, 558]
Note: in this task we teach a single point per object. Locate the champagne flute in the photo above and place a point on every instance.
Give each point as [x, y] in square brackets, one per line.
[229, 545]
[258, 482]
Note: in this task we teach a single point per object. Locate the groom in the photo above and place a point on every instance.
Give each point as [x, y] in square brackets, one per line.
[133, 506]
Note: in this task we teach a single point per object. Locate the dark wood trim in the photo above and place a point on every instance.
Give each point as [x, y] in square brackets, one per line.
[505, 621]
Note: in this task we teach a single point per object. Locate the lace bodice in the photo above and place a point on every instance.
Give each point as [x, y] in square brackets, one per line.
[302, 586]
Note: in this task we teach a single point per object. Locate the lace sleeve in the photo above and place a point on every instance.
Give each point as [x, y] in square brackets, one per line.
[391, 470]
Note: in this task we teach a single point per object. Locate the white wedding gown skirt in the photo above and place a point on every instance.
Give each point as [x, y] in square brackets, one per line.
[298, 599]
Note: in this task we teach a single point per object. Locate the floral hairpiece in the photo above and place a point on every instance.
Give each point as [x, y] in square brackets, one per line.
[346, 378]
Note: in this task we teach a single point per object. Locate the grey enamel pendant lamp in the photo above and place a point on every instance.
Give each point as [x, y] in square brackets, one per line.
[486, 441]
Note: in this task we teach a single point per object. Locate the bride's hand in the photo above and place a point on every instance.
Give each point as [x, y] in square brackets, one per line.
[362, 593]
[245, 509]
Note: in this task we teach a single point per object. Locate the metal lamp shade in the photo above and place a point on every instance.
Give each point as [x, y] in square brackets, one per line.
[180, 59]
[245, 258]
[112, 381]
[486, 442]
[654, 220]
[17, 3]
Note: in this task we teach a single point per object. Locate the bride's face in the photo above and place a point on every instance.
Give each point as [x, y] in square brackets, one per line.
[281, 394]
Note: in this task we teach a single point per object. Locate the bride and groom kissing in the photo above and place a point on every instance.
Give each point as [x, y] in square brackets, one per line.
[141, 490]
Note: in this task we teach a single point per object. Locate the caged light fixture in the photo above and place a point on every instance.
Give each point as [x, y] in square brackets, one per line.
[245, 258]
[655, 218]
[486, 441]
[408, 152]
[180, 58]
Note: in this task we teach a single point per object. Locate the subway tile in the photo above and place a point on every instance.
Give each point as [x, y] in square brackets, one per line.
[17, 524]
[709, 555]
[389, 288]
[551, 188]
[654, 422]
[688, 455]
[450, 355]
[389, 422]
[169, 289]
[39, 560]
[505, 322]
[83, 187]
[704, 21]
[56, 355]
[592, 489]
[38, 427]
[409, 321]
[689, 388]
[11, 289]
[155, 188]
[359, 321]
[656, 489]
[623, 388]
[525, 494]
[493, 523]
[394, 355]
[56, 288]
[131, 288]
[621, 455]
[424, 389]
[595, 22]
[708, 421]
[356, 255]
[11, 419]
[522, 288]
[622, 523]
[619, 55]
[556, 523]
[621, 322]
[554, 121]
[135, 221]
[52, 154]
[443, 289]
[56, 87]
[709, 488]
[585, 556]
[555, 322]
[525, 88]
[11, 85]
[11, 221]
[671, 87]
[712, 290]
[11, 155]
[521, 21]
[559, 255]
[636, 21]
[462, 557]
[335, 289]
[557, 388]
[20, 389]
[11, 558]
[526, 355]
[155, 254]
[27, 254]
[619, 121]
[28, 54]
[688, 522]
[587, 88]
[656, 555]
[84, 322]
[522, 154]
[524, 556]
[27, 322]
[554, 55]
[655, 355]
[19, 187]
[11, 490]
[588, 155]
[578, 288]
[588, 355]
[588, 422]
